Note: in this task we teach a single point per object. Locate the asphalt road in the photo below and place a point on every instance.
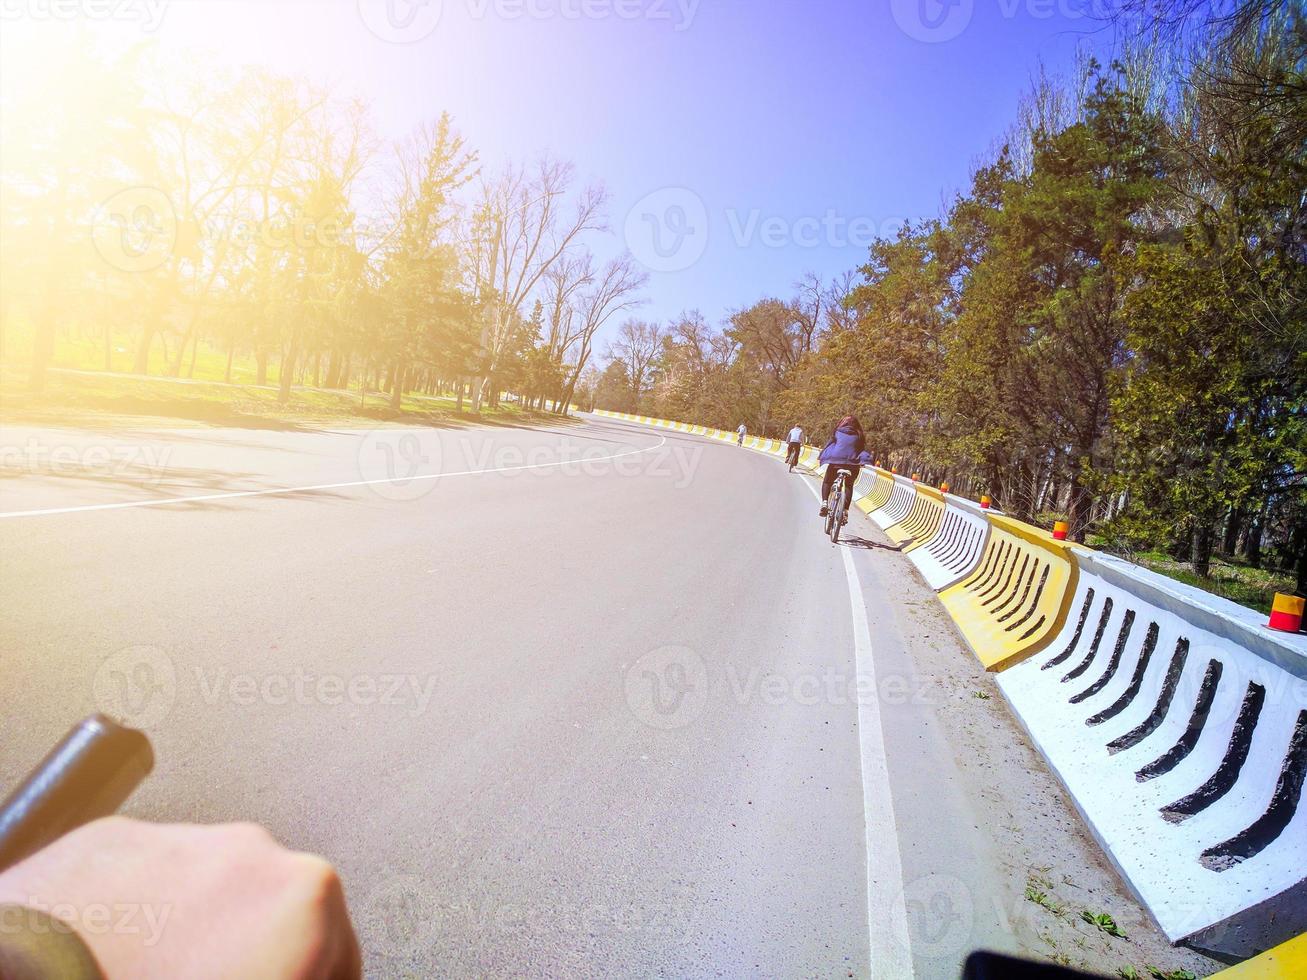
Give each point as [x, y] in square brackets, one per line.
[588, 699]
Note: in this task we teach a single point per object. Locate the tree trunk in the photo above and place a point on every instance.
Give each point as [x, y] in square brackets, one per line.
[42, 348]
[231, 352]
[397, 386]
[142, 363]
[1253, 546]
[287, 373]
[261, 366]
[1200, 554]
[1233, 526]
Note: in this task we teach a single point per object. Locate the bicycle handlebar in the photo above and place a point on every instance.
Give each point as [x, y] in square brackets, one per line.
[88, 775]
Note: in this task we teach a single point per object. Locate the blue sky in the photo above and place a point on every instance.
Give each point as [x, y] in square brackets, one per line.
[743, 142]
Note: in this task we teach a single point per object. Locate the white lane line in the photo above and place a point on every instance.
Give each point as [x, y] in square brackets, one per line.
[237, 494]
[887, 919]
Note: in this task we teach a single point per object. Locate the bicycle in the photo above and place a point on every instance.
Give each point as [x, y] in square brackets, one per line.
[792, 455]
[837, 505]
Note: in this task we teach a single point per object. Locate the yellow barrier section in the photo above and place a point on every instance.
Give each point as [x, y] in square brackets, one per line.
[922, 522]
[1281, 963]
[1016, 601]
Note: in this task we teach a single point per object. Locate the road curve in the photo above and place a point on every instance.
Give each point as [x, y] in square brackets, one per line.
[583, 699]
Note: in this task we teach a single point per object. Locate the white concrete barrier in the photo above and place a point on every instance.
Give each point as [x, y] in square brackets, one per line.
[900, 502]
[955, 551]
[1178, 722]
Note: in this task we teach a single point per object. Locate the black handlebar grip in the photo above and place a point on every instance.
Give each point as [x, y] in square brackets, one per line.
[86, 776]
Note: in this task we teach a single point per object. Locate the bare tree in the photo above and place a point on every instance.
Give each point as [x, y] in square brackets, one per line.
[519, 230]
[637, 347]
[611, 292]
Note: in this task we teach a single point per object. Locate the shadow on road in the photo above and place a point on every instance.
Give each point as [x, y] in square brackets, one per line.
[856, 542]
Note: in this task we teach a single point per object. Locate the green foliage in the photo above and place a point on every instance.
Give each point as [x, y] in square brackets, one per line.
[1103, 922]
[1109, 327]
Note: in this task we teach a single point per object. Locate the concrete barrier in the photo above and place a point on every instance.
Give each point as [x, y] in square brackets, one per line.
[1016, 600]
[1178, 722]
[902, 496]
[955, 552]
[922, 522]
[882, 487]
[1285, 961]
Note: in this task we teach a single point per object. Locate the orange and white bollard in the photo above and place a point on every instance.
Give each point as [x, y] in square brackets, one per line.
[1059, 530]
[984, 501]
[1286, 612]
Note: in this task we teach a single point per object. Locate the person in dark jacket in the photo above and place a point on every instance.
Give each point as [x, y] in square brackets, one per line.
[845, 451]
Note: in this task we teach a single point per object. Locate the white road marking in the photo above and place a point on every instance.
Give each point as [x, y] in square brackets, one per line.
[237, 494]
[887, 918]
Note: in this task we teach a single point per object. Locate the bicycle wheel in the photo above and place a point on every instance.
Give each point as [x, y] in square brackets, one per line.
[837, 514]
[830, 512]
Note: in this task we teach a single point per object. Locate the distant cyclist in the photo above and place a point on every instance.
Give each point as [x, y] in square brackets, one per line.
[740, 433]
[795, 441]
[845, 451]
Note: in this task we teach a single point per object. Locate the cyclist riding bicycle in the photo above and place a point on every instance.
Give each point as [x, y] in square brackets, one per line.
[845, 451]
[794, 444]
